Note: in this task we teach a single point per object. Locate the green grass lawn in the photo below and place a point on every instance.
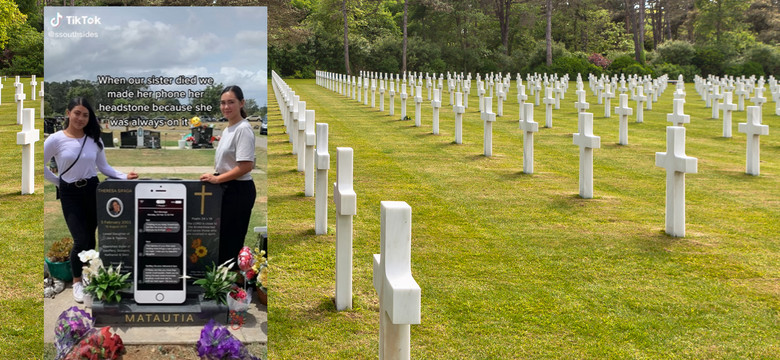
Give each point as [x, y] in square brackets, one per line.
[519, 266]
[21, 223]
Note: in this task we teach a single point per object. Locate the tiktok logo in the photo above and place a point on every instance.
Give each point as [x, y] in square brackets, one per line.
[55, 21]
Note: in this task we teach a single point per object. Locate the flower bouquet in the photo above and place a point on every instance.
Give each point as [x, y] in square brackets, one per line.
[238, 299]
[216, 342]
[71, 326]
[98, 344]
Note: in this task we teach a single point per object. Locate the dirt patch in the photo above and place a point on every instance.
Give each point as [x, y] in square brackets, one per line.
[154, 352]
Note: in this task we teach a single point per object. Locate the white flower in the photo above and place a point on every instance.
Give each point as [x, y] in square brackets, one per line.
[87, 255]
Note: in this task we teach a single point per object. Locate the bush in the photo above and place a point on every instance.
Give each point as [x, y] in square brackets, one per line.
[673, 70]
[599, 60]
[574, 65]
[638, 69]
[747, 69]
[622, 62]
[676, 52]
[766, 55]
[709, 60]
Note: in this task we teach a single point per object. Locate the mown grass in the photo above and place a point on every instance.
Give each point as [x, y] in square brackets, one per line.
[21, 254]
[519, 266]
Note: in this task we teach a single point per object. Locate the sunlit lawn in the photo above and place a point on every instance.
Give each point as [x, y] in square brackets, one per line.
[519, 266]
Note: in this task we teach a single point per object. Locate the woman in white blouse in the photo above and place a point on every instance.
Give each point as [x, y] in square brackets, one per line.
[78, 151]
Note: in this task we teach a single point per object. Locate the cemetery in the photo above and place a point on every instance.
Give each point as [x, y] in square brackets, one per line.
[164, 162]
[529, 241]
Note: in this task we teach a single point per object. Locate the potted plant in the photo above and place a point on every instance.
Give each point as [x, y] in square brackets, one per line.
[58, 259]
[261, 269]
[218, 282]
[238, 299]
[216, 342]
[103, 284]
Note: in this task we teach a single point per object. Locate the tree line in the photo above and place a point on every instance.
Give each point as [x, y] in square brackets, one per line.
[689, 37]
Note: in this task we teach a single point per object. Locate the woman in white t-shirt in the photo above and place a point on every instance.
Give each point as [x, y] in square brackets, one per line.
[78, 151]
[234, 160]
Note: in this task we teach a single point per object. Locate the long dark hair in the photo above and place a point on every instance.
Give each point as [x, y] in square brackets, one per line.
[93, 126]
[239, 95]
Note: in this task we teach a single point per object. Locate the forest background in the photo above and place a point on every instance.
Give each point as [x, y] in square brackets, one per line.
[688, 37]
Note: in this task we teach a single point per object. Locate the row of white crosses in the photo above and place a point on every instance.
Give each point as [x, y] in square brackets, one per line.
[399, 294]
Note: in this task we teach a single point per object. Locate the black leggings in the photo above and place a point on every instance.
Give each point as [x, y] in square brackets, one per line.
[238, 199]
[80, 211]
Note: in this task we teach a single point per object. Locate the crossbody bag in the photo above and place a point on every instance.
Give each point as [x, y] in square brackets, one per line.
[71, 165]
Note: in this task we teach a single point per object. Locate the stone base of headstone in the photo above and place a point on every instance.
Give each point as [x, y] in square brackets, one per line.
[195, 311]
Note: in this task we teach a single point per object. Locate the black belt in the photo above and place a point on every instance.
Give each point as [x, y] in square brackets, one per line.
[80, 183]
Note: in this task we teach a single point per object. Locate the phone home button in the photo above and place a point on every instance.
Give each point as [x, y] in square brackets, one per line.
[159, 297]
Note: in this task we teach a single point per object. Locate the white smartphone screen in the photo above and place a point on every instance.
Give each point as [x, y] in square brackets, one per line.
[160, 239]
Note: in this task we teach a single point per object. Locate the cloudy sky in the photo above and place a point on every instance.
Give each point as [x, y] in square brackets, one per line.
[226, 43]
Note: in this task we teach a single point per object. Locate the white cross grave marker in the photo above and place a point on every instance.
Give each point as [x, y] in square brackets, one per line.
[322, 158]
[381, 96]
[639, 98]
[728, 108]
[488, 117]
[549, 102]
[521, 98]
[753, 129]
[677, 164]
[20, 96]
[27, 138]
[715, 96]
[300, 142]
[529, 127]
[403, 102]
[417, 106]
[581, 105]
[436, 104]
[346, 206]
[33, 84]
[587, 142]
[458, 109]
[311, 140]
[677, 117]
[392, 98]
[398, 292]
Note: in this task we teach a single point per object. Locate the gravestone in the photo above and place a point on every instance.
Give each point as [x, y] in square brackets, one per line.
[436, 104]
[373, 93]
[398, 292]
[639, 98]
[529, 127]
[728, 108]
[417, 106]
[677, 164]
[458, 109]
[1, 93]
[19, 97]
[116, 231]
[557, 91]
[139, 141]
[677, 117]
[292, 130]
[481, 94]
[715, 96]
[587, 142]
[581, 105]
[501, 95]
[382, 96]
[322, 158]
[759, 100]
[608, 96]
[521, 98]
[310, 140]
[346, 206]
[201, 136]
[27, 139]
[300, 143]
[753, 129]
[488, 117]
[33, 85]
[549, 102]
[741, 93]
[403, 102]
[392, 98]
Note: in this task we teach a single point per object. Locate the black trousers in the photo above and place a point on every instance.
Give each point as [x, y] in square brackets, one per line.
[238, 199]
[79, 207]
